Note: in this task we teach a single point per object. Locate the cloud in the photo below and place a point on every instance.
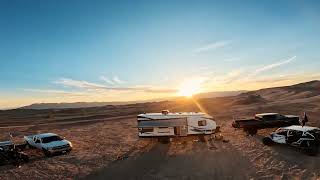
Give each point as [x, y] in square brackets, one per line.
[274, 65]
[55, 92]
[247, 75]
[117, 80]
[78, 84]
[107, 80]
[94, 86]
[113, 81]
[212, 46]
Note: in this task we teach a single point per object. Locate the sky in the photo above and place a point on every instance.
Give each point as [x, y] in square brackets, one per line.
[88, 50]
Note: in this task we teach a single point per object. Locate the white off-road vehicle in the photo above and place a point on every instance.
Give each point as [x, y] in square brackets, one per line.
[49, 143]
[304, 137]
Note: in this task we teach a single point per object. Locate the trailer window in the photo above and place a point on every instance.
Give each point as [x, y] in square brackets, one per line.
[202, 123]
[144, 130]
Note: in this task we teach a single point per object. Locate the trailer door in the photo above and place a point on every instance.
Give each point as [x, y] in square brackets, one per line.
[183, 131]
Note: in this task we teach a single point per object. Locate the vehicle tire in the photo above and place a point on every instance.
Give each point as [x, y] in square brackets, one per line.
[46, 152]
[267, 141]
[251, 131]
[164, 140]
[27, 145]
[311, 149]
[24, 157]
[68, 151]
[235, 125]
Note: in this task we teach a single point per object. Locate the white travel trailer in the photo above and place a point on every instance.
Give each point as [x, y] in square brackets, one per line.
[175, 124]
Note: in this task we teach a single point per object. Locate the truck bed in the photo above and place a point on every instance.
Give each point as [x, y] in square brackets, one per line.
[260, 124]
[28, 137]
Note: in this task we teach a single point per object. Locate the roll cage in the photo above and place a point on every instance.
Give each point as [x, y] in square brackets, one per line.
[290, 132]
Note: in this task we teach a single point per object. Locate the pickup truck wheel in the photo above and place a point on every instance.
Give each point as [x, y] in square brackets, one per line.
[46, 152]
[27, 145]
[251, 131]
[267, 141]
[235, 125]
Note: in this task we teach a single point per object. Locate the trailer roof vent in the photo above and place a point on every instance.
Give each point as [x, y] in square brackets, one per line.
[165, 112]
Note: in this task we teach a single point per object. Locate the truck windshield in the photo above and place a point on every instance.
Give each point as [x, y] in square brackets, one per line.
[51, 139]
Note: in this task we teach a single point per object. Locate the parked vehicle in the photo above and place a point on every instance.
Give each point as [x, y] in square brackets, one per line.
[175, 124]
[9, 154]
[49, 143]
[305, 137]
[265, 120]
[6, 145]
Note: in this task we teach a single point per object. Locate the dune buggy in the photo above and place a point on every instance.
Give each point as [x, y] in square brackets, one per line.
[11, 154]
[304, 137]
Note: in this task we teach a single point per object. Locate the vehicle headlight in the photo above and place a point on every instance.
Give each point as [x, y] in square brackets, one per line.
[70, 144]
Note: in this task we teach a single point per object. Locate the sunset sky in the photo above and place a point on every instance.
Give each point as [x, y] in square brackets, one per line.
[71, 51]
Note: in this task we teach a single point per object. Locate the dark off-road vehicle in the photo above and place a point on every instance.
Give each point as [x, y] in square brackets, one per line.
[265, 120]
[306, 138]
[12, 154]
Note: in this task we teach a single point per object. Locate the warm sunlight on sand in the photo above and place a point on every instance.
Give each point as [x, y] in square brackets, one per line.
[190, 87]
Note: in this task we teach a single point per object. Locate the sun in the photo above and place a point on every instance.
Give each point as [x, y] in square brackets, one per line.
[190, 87]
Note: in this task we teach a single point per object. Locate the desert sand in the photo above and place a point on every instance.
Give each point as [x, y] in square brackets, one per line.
[106, 145]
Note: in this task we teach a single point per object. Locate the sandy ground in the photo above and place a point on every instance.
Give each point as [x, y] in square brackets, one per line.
[98, 146]
[101, 137]
[184, 159]
[95, 146]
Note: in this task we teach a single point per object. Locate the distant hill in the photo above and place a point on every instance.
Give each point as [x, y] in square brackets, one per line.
[304, 90]
[219, 94]
[307, 91]
[100, 104]
[73, 105]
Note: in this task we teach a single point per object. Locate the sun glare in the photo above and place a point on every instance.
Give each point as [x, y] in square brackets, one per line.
[190, 87]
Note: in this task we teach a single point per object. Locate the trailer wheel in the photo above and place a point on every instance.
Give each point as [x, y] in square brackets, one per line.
[267, 141]
[164, 140]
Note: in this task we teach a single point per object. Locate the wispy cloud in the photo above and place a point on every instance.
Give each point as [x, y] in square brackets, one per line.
[212, 46]
[55, 92]
[241, 75]
[107, 80]
[115, 80]
[94, 86]
[78, 84]
[274, 65]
